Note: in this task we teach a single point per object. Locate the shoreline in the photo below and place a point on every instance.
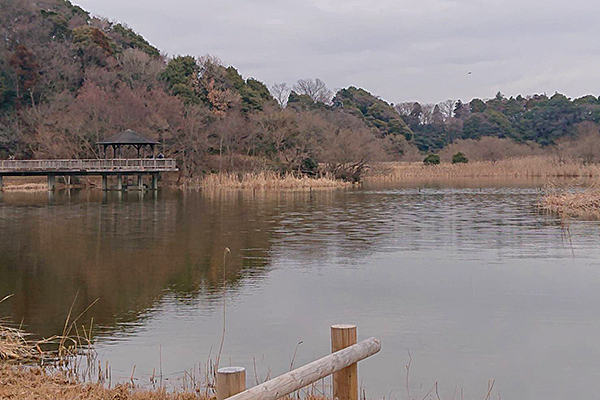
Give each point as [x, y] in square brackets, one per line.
[521, 167]
[534, 167]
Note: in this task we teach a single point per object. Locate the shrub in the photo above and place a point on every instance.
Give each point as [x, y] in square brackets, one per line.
[459, 158]
[432, 159]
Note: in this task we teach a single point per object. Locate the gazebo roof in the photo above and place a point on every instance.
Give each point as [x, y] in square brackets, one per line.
[127, 137]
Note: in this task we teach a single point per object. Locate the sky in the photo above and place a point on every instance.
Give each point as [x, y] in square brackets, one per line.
[418, 50]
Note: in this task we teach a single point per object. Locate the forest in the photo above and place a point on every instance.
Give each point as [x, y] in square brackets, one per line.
[68, 79]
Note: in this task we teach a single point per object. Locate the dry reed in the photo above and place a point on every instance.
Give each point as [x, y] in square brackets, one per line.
[26, 187]
[572, 202]
[521, 167]
[14, 345]
[264, 180]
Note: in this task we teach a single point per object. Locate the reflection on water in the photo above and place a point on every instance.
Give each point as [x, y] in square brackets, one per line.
[470, 278]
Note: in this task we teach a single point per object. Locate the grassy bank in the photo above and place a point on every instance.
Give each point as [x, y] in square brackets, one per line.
[263, 180]
[522, 167]
[32, 383]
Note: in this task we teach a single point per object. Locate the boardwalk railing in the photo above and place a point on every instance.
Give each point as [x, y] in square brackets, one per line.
[342, 363]
[93, 165]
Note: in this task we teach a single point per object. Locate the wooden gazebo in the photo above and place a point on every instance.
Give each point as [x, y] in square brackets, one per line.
[126, 138]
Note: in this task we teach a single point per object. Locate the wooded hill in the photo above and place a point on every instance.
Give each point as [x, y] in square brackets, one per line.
[68, 80]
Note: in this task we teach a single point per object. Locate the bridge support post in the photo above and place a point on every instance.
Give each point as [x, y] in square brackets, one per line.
[51, 182]
[140, 182]
[119, 182]
[1, 183]
[104, 183]
[155, 181]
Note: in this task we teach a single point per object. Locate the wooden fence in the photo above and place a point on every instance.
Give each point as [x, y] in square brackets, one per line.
[342, 363]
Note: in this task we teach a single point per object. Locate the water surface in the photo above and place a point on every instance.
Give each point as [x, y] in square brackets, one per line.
[468, 277]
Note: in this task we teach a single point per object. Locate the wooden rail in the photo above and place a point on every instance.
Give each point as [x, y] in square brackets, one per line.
[89, 166]
[309, 373]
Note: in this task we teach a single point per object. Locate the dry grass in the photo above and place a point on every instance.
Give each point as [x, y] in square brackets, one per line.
[29, 383]
[24, 184]
[264, 180]
[14, 345]
[34, 383]
[40, 183]
[27, 187]
[572, 202]
[522, 167]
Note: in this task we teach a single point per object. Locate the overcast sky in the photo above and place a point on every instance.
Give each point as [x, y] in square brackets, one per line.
[418, 50]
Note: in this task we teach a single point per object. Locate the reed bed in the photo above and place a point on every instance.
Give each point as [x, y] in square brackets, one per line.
[521, 167]
[572, 202]
[264, 180]
[26, 187]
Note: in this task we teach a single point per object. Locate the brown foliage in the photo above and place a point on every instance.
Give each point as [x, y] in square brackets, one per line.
[26, 70]
[489, 149]
[585, 147]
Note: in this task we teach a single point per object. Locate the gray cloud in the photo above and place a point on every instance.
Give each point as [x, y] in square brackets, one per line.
[400, 50]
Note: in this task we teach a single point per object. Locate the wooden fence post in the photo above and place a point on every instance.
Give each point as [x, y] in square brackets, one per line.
[345, 381]
[230, 381]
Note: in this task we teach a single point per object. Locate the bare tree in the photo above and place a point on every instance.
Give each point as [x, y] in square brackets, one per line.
[405, 108]
[426, 117]
[280, 92]
[447, 108]
[315, 89]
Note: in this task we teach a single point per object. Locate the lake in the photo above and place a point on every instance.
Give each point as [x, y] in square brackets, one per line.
[468, 277]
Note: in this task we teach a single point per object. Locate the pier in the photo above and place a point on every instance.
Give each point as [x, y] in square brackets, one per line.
[121, 168]
[118, 166]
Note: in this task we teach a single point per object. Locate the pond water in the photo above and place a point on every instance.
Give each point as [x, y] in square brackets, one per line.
[469, 278]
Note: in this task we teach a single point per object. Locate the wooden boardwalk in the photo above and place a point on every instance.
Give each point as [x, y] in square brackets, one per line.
[86, 167]
[104, 167]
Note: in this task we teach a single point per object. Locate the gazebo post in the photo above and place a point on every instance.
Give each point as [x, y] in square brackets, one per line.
[155, 181]
[51, 184]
